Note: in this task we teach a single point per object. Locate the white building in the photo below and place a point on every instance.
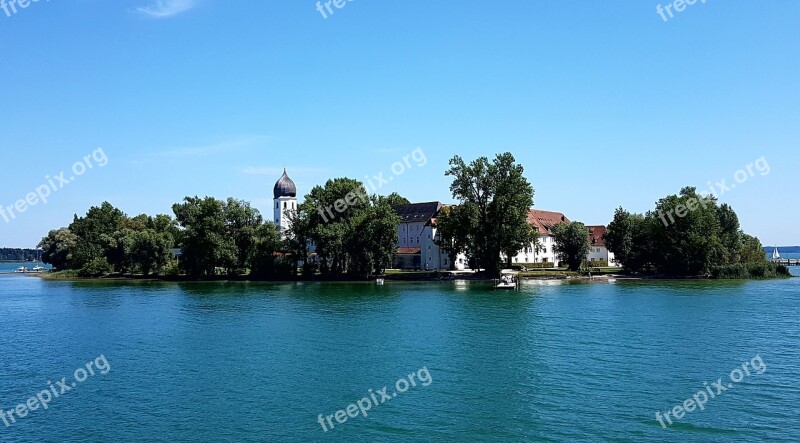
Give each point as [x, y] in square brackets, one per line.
[416, 246]
[597, 246]
[285, 193]
[544, 251]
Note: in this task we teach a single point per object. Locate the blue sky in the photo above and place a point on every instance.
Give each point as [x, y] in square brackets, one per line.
[604, 103]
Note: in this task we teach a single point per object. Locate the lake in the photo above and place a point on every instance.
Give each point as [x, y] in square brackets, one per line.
[248, 362]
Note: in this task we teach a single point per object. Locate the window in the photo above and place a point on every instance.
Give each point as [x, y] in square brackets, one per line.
[277, 205]
[284, 205]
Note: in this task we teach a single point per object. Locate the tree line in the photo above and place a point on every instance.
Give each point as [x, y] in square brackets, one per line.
[231, 238]
[489, 224]
[688, 234]
[18, 255]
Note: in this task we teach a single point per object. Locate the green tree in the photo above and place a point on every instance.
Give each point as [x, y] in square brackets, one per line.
[393, 199]
[629, 238]
[206, 243]
[263, 255]
[371, 239]
[498, 198]
[92, 231]
[150, 250]
[329, 210]
[453, 231]
[572, 243]
[687, 235]
[58, 248]
[241, 223]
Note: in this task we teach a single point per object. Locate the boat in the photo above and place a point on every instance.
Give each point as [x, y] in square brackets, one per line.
[22, 270]
[508, 281]
[39, 268]
[775, 254]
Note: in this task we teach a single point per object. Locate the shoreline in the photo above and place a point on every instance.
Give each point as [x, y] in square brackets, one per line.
[605, 278]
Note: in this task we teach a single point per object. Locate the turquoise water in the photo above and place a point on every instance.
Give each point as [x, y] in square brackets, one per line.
[260, 362]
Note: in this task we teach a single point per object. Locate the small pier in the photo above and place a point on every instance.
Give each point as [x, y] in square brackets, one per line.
[787, 261]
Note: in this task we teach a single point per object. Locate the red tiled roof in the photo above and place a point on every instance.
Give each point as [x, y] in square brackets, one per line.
[409, 250]
[543, 221]
[596, 234]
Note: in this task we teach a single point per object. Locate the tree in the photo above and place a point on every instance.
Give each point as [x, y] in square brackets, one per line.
[687, 235]
[629, 238]
[92, 231]
[572, 243]
[263, 255]
[329, 210]
[452, 231]
[206, 243]
[371, 239]
[393, 199]
[498, 198]
[351, 231]
[58, 248]
[150, 250]
[241, 223]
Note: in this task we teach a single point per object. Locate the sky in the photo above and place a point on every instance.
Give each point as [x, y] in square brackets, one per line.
[606, 104]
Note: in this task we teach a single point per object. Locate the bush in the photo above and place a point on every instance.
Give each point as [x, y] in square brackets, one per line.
[172, 269]
[597, 264]
[520, 266]
[741, 271]
[98, 267]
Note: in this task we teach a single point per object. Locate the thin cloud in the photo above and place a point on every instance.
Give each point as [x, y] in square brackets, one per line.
[207, 150]
[166, 8]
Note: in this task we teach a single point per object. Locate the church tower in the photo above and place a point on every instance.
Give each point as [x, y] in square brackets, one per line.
[285, 193]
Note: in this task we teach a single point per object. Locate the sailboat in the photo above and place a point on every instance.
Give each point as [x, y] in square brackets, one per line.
[775, 254]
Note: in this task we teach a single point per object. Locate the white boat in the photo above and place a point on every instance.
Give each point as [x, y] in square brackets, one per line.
[775, 254]
[508, 281]
[39, 268]
[22, 270]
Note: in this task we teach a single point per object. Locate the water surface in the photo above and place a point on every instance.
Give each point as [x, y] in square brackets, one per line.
[260, 362]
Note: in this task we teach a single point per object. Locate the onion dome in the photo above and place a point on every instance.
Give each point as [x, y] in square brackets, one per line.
[285, 187]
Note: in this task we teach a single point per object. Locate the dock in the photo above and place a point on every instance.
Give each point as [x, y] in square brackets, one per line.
[787, 261]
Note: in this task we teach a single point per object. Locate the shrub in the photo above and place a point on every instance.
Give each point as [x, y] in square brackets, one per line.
[741, 271]
[98, 267]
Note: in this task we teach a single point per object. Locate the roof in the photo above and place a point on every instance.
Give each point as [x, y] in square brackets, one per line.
[418, 212]
[409, 250]
[285, 187]
[596, 234]
[543, 221]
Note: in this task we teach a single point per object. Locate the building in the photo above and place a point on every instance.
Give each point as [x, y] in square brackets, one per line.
[285, 199]
[416, 245]
[544, 251]
[598, 252]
